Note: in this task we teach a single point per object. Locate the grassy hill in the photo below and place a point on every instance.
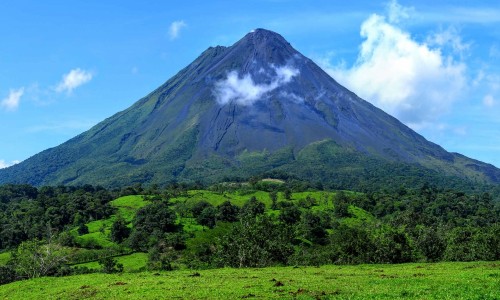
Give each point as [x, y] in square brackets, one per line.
[474, 280]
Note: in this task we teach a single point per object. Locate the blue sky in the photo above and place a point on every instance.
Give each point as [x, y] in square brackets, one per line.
[66, 65]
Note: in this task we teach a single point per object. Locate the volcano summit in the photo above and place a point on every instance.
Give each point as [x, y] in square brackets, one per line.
[257, 107]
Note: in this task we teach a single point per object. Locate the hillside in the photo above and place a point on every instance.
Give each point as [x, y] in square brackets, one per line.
[258, 106]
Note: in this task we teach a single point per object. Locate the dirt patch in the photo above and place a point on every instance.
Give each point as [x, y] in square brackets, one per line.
[298, 292]
[248, 296]
[85, 292]
[279, 283]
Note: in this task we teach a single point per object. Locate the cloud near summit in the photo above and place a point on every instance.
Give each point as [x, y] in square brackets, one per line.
[414, 81]
[244, 91]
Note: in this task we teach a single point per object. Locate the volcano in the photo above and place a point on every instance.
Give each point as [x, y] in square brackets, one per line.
[256, 107]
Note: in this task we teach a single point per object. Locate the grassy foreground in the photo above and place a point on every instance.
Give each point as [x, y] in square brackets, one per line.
[475, 280]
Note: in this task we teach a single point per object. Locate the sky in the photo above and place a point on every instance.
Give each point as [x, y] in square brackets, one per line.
[67, 65]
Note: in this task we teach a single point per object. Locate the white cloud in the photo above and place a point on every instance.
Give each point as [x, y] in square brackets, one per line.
[4, 164]
[11, 102]
[175, 28]
[449, 38]
[73, 79]
[410, 80]
[244, 91]
[397, 12]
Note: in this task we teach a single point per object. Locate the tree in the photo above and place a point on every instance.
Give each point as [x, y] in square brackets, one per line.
[150, 224]
[313, 229]
[83, 229]
[429, 243]
[341, 208]
[288, 194]
[7, 274]
[34, 258]
[392, 246]
[252, 208]
[290, 215]
[227, 212]
[198, 207]
[273, 195]
[110, 265]
[207, 217]
[119, 230]
[351, 245]
[255, 242]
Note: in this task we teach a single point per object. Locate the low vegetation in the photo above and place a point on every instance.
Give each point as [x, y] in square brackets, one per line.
[188, 230]
[473, 280]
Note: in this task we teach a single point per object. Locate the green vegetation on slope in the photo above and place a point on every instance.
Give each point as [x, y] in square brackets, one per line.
[260, 223]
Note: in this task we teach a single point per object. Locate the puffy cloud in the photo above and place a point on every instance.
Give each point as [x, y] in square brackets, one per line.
[175, 28]
[4, 164]
[11, 102]
[244, 91]
[73, 79]
[410, 80]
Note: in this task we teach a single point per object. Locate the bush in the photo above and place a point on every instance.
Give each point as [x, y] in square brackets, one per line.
[109, 265]
[119, 230]
[227, 212]
[7, 274]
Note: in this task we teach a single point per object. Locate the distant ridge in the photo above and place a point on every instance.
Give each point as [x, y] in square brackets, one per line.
[256, 107]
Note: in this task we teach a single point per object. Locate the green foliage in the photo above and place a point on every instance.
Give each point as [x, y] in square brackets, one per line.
[34, 258]
[31, 213]
[109, 265]
[227, 212]
[290, 214]
[150, 224]
[236, 225]
[4, 258]
[7, 274]
[252, 208]
[83, 229]
[470, 244]
[119, 230]
[207, 217]
[255, 242]
[430, 243]
[351, 245]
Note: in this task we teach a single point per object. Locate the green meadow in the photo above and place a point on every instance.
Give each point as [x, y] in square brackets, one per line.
[471, 280]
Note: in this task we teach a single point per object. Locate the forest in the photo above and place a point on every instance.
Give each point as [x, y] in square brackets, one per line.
[51, 231]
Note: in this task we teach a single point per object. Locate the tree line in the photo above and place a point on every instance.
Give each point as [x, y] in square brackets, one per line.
[425, 224]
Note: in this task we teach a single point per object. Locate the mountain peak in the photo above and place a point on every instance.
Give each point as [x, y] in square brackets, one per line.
[256, 106]
[264, 35]
[265, 46]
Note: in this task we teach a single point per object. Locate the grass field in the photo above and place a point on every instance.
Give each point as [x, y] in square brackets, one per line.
[474, 280]
[131, 263]
[99, 230]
